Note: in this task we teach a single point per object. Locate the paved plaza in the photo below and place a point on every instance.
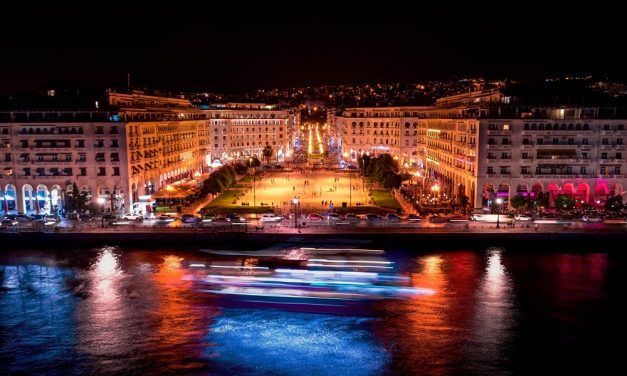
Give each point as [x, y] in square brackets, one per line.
[315, 190]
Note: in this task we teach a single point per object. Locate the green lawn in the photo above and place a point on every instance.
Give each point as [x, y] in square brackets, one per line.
[224, 203]
[226, 198]
[384, 199]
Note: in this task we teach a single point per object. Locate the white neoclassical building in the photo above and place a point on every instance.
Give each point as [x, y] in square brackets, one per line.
[484, 145]
[122, 152]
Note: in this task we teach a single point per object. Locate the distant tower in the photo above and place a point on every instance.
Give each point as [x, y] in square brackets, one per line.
[128, 81]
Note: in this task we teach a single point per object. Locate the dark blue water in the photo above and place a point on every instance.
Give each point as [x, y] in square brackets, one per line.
[122, 311]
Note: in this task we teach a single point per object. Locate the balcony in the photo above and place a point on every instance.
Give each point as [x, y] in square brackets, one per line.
[611, 161]
[496, 146]
[527, 160]
[554, 176]
[50, 148]
[556, 146]
[556, 132]
[556, 160]
[620, 147]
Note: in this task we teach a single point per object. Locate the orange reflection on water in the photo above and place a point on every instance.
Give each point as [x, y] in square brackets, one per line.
[170, 271]
[427, 311]
[179, 323]
[429, 328]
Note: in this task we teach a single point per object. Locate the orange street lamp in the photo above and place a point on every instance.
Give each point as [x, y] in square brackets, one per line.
[499, 201]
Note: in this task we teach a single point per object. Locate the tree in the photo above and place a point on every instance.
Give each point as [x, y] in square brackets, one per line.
[614, 203]
[563, 202]
[383, 169]
[267, 153]
[211, 185]
[254, 162]
[218, 181]
[241, 169]
[75, 200]
[463, 201]
[391, 180]
[518, 202]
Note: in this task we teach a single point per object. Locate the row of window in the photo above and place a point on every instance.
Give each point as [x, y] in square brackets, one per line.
[252, 137]
[384, 114]
[237, 144]
[584, 155]
[568, 170]
[82, 171]
[382, 141]
[377, 125]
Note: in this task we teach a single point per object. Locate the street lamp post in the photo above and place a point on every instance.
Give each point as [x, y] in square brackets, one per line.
[295, 202]
[499, 201]
[101, 201]
[250, 160]
[350, 189]
[350, 184]
[169, 189]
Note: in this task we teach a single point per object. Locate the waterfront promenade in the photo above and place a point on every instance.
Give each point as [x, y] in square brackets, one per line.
[253, 237]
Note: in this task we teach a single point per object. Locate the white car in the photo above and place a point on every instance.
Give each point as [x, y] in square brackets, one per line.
[268, 217]
[133, 217]
[591, 219]
[522, 218]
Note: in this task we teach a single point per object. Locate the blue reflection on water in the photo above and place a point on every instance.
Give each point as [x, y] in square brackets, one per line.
[287, 343]
[36, 324]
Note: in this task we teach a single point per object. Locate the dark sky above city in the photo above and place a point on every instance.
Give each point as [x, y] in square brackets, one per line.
[230, 46]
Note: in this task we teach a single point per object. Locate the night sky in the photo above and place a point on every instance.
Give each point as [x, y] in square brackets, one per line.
[208, 46]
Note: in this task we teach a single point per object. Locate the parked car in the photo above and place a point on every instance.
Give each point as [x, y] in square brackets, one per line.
[209, 217]
[235, 218]
[164, 218]
[591, 219]
[391, 217]
[133, 217]
[315, 217]
[105, 218]
[270, 217]
[414, 218]
[437, 219]
[371, 217]
[334, 217]
[351, 217]
[523, 217]
[458, 218]
[189, 218]
[23, 218]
